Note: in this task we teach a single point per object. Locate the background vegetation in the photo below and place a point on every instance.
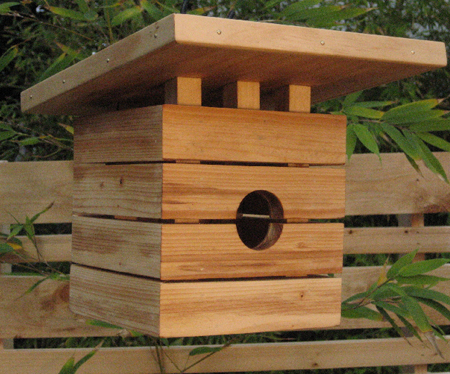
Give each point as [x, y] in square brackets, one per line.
[39, 38]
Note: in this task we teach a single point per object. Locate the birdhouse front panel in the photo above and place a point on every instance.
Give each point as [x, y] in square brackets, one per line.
[212, 207]
[205, 192]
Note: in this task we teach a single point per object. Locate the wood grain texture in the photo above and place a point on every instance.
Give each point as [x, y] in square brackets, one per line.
[183, 91]
[205, 308]
[171, 191]
[242, 95]
[122, 300]
[237, 358]
[223, 51]
[42, 313]
[394, 187]
[27, 188]
[430, 239]
[45, 312]
[192, 251]
[210, 134]
[125, 246]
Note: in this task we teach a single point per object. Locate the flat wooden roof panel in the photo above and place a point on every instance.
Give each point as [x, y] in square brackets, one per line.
[221, 51]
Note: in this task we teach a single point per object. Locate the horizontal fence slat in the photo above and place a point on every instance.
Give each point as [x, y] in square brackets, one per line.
[27, 188]
[236, 358]
[392, 186]
[45, 311]
[365, 240]
[389, 187]
[429, 239]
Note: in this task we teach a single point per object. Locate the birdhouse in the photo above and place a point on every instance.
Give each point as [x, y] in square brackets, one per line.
[206, 195]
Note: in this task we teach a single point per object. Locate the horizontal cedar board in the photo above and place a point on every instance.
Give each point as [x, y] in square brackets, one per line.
[332, 63]
[44, 313]
[236, 358]
[205, 308]
[195, 191]
[430, 239]
[392, 187]
[184, 251]
[174, 132]
[26, 188]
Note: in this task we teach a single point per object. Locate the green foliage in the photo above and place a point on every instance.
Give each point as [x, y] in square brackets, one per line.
[399, 292]
[71, 367]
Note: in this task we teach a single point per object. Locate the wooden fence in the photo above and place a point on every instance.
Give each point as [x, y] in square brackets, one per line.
[373, 188]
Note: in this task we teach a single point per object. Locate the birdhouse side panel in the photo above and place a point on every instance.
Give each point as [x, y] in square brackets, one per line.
[125, 246]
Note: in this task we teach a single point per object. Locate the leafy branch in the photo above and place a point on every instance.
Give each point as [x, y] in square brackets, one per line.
[397, 297]
[409, 127]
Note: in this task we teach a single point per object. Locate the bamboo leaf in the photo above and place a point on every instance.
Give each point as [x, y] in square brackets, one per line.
[152, 9]
[437, 124]
[5, 249]
[6, 7]
[4, 135]
[366, 138]
[426, 293]
[351, 141]
[37, 215]
[63, 61]
[409, 113]
[401, 262]
[68, 367]
[434, 140]
[362, 312]
[431, 161]
[436, 306]
[330, 18]
[94, 322]
[29, 141]
[270, 4]
[83, 6]
[83, 360]
[311, 13]
[374, 104]
[35, 285]
[409, 326]
[351, 99]
[8, 56]
[125, 15]
[417, 314]
[422, 267]
[204, 350]
[388, 318]
[67, 13]
[393, 308]
[297, 7]
[360, 111]
[361, 295]
[420, 280]
[397, 136]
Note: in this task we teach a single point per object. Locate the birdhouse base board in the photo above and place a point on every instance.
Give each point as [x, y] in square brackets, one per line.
[197, 308]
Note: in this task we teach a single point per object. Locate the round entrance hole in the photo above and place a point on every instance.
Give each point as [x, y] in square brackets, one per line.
[258, 220]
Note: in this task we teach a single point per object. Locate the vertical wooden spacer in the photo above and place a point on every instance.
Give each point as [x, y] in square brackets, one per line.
[183, 91]
[293, 98]
[242, 95]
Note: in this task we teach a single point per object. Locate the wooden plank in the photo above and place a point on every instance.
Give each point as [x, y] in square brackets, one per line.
[197, 308]
[27, 188]
[392, 186]
[54, 248]
[222, 51]
[43, 313]
[237, 358]
[430, 239]
[210, 134]
[170, 191]
[183, 91]
[192, 251]
[126, 246]
[123, 300]
[242, 95]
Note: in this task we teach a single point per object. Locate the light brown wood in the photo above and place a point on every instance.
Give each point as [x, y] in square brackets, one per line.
[126, 246]
[27, 188]
[292, 98]
[205, 308]
[242, 95]
[210, 134]
[431, 239]
[170, 191]
[237, 358]
[183, 91]
[223, 51]
[43, 313]
[394, 187]
[192, 251]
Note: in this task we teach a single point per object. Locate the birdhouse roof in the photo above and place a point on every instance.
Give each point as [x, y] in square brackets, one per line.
[221, 51]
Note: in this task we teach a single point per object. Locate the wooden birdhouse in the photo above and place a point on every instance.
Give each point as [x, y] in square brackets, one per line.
[204, 189]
